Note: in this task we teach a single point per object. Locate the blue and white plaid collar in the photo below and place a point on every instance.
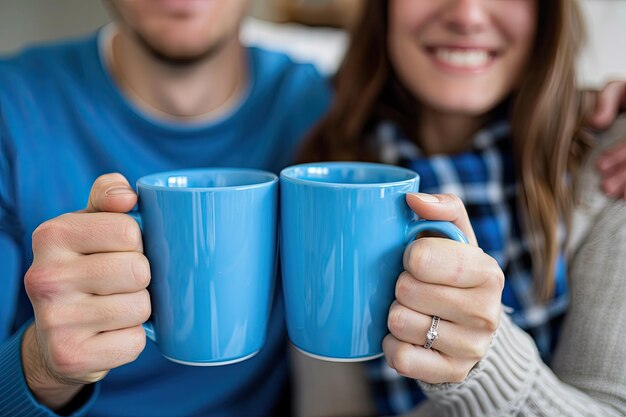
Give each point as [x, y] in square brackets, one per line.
[484, 178]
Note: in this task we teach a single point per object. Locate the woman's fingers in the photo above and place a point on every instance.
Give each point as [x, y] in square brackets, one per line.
[426, 365]
[447, 207]
[454, 341]
[477, 308]
[447, 262]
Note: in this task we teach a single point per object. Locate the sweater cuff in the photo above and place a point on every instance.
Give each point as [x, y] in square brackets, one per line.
[16, 399]
[498, 384]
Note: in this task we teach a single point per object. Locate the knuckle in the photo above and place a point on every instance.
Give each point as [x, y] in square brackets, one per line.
[486, 319]
[134, 343]
[402, 360]
[458, 373]
[499, 277]
[455, 201]
[106, 179]
[141, 270]
[387, 345]
[495, 276]
[477, 349]
[49, 233]
[420, 257]
[473, 353]
[404, 286]
[66, 359]
[137, 341]
[482, 347]
[144, 307]
[486, 323]
[130, 233]
[396, 321]
[43, 281]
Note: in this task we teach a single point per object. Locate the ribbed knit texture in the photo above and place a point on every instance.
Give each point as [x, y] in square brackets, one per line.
[16, 399]
[588, 378]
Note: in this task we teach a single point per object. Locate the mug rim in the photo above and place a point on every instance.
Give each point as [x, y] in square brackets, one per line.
[286, 174]
[271, 179]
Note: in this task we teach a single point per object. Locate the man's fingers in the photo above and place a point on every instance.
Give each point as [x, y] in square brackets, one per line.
[446, 207]
[615, 184]
[111, 193]
[109, 273]
[88, 233]
[607, 105]
[613, 159]
[115, 348]
[114, 312]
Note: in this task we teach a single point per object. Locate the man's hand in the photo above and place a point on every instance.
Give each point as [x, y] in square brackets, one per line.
[455, 281]
[87, 285]
[605, 106]
[612, 167]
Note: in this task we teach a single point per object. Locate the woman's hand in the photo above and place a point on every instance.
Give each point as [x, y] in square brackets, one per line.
[454, 281]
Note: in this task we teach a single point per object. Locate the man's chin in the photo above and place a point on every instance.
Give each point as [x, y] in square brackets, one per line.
[170, 56]
[177, 59]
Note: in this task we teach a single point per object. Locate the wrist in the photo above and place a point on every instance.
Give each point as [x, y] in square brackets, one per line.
[47, 389]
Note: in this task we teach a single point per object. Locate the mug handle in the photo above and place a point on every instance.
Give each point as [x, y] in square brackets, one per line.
[443, 227]
[147, 326]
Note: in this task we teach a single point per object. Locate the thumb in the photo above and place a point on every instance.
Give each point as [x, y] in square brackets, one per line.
[446, 207]
[111, 193]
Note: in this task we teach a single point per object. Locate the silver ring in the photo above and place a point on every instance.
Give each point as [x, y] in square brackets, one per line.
[432, 334]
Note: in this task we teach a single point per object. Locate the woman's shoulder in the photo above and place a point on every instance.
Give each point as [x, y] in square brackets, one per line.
[593, 206]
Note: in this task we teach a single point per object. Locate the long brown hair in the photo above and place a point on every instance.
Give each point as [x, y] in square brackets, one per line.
[546, 113]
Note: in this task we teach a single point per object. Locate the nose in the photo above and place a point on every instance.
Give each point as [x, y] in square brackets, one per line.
[466, 16]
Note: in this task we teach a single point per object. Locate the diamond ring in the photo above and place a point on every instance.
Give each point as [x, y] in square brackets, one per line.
[432, 334]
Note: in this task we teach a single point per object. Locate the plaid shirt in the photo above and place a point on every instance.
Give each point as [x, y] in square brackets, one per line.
[484, 179]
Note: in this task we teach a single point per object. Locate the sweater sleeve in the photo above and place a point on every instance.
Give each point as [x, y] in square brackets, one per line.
[511, 380]
[588, 374]
[15, 396]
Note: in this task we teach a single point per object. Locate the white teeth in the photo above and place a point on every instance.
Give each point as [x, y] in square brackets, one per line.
[463, 58]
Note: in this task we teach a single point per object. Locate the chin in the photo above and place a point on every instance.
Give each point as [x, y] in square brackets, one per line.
[182, 50]
[464, 108]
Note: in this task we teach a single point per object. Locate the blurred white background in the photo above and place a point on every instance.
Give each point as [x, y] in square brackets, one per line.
[26, 21]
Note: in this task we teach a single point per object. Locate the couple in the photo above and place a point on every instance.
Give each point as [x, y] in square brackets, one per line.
[478, 97]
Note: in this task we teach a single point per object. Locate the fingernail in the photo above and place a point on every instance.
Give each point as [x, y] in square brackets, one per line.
[118, 191]
[426, 198]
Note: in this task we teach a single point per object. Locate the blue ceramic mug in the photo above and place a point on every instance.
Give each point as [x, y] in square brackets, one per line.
[210, 236]
[344, 228]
